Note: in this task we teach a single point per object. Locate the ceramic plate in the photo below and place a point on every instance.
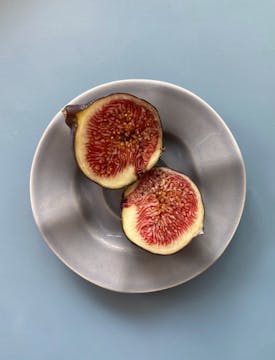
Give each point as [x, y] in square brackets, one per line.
[80, 221]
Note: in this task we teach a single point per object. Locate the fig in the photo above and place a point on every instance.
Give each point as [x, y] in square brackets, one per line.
[117, 138]
[162, 211]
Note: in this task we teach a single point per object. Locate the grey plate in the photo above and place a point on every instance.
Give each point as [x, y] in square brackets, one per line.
[80, 221]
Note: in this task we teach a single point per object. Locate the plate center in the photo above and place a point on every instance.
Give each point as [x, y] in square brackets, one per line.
[113, 200]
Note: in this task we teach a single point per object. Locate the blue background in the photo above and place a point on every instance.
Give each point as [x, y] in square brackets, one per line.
[51, 51]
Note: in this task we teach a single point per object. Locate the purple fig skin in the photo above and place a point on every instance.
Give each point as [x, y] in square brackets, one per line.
[69, 112]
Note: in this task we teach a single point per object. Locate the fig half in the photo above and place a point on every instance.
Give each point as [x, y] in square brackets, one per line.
[163, 211]
[117, 138]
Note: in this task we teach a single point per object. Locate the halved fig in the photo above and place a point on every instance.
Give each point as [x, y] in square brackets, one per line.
[163, 211]
[116, 138]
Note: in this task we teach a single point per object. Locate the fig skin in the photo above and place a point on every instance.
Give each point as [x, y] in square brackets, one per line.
[74, 114]
[129, 216]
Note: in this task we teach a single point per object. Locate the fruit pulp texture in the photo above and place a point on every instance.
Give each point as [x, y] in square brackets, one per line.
[166, 206]
[120, 134]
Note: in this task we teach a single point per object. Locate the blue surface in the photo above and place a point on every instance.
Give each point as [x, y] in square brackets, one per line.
[51, 51]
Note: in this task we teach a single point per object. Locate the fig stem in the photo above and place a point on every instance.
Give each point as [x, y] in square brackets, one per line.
[69, 113]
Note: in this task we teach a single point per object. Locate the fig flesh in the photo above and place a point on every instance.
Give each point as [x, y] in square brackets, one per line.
[117, 138]
[163, 211]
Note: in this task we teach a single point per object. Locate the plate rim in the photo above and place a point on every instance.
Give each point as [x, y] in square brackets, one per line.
[160, 83]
